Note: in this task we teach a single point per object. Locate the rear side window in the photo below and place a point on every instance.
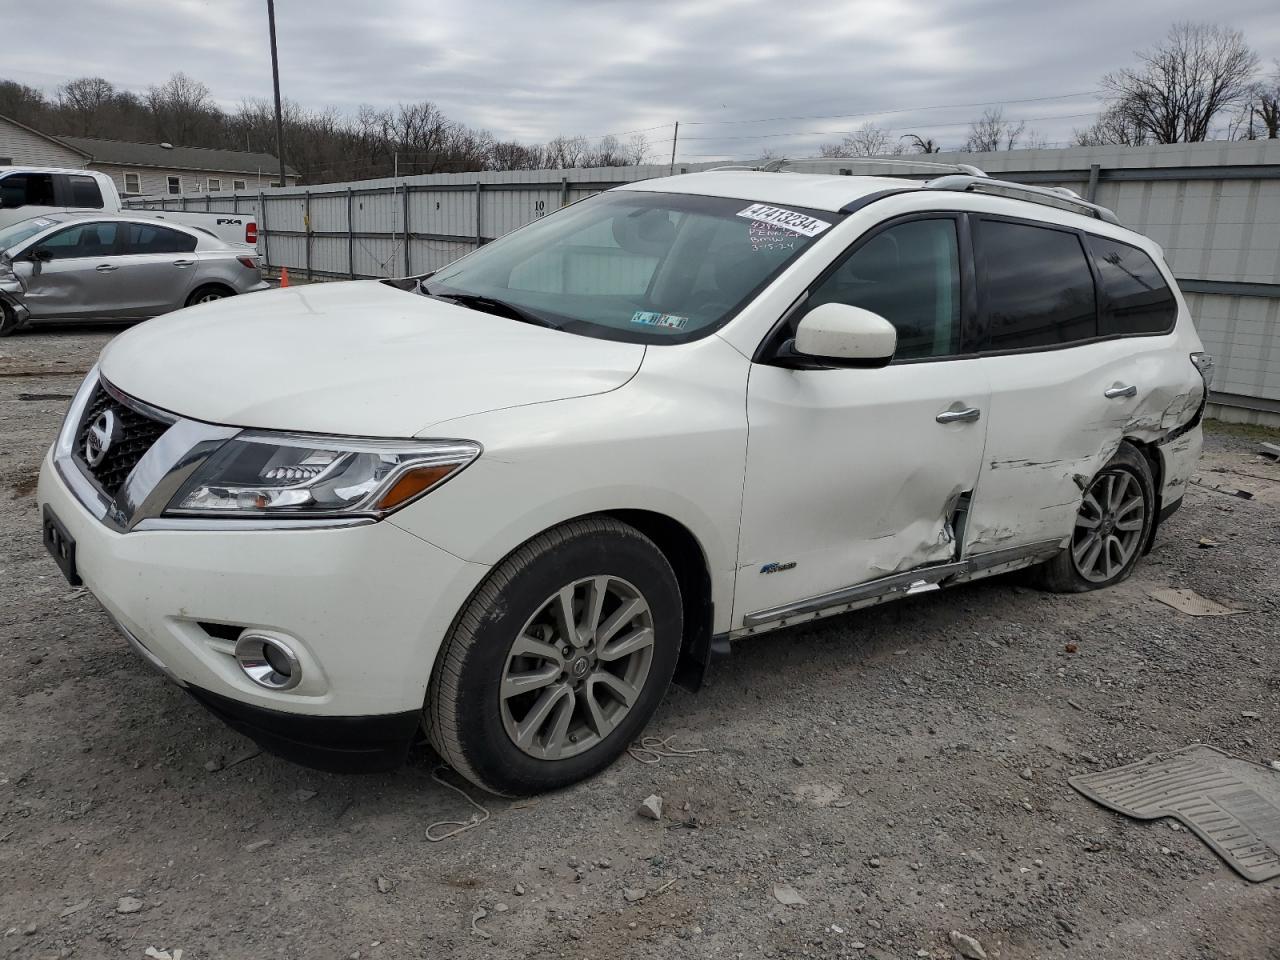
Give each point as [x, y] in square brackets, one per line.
[83, 193]
[27, 190]
[1134, 295]
[144, 238]
[910, 275]
[1036, 286]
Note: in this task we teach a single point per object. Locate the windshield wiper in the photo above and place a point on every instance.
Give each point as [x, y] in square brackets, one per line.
[477, 301]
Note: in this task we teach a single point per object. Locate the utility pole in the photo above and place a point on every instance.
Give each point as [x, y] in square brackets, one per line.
[275, 79]
[675, 138]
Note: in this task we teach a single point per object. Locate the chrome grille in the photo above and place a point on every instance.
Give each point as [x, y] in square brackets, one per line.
[138, 433]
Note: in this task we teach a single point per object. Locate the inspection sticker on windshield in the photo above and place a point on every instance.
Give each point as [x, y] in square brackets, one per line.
[42, 222]
[651, 319]
[800, 223]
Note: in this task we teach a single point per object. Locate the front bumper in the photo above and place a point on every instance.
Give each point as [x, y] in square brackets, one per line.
[20, 312]
[366, 608]
[337, 744]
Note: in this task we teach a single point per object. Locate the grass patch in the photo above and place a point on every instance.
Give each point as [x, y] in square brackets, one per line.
[1249, 431]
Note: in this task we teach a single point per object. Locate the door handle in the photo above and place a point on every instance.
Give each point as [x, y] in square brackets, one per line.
[183, 263]
[1114, 393]
[964, 415]
[106, 267]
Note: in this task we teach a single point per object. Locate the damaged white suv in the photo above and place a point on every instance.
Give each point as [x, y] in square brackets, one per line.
[509, 501]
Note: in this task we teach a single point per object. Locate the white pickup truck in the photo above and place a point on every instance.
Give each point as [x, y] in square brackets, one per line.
[37, 191]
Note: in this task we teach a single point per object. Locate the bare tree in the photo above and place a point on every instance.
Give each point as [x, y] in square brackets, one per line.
[921, 144]
[1259, 117]
[867, 141]
[992, 132]
[178, 106]
[1113, 126]
[510, 155]
[1182, 86]
[637, 150]
[566, 152]
[82, 99]
[22, 103]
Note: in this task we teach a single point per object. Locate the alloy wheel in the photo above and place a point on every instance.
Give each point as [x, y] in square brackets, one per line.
[577, 667]
[209, 297]
[1109, 526]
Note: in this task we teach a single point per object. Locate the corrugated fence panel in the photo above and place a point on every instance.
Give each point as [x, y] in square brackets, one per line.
[1213, 207]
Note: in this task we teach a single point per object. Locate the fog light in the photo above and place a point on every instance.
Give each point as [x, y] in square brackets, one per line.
[268, 661]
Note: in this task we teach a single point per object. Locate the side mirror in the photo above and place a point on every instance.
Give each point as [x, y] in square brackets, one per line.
[837, 334]
[42, 254]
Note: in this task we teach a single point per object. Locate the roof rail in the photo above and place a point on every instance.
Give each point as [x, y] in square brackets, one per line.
[777, 165]
[1059, 197]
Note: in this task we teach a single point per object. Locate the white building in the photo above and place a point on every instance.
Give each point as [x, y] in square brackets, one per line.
[144, 169]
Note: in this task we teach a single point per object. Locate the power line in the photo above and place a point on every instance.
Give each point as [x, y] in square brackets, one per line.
[883, 113]
[843, 116]
[832, 133]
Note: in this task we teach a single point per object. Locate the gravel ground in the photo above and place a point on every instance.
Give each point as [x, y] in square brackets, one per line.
[902, 769]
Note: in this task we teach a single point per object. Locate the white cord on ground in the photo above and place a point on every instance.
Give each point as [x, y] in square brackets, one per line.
[459, 826]
[653, 749]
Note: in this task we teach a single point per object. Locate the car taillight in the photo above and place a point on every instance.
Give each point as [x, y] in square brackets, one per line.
[250, 262]
[251, 232]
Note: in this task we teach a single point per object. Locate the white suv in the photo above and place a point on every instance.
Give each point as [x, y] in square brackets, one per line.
[509, 501]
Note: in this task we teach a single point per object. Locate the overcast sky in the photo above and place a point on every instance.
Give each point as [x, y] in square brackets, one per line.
[529, 69]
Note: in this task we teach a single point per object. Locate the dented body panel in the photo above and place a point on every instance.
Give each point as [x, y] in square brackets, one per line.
[1052, 427]
[850, 476]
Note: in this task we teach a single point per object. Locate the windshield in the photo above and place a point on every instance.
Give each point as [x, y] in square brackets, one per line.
[16, 233]
[631, 265]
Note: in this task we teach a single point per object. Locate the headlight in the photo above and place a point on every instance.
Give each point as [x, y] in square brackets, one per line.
[260, 474]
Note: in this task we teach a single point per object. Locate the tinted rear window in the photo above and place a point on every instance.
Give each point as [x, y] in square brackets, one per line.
[144, 238]
[1036, 285]
[1135, 297]
[85, 193]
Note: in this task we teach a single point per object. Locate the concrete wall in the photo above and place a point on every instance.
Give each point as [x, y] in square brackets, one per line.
[27, 149]
[1214, 207]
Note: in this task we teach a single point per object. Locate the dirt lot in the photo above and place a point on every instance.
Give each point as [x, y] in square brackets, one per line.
[904, 769]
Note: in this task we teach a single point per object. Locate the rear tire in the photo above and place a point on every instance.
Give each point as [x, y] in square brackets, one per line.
[208, 294]
[511, 711]
[1115, 519]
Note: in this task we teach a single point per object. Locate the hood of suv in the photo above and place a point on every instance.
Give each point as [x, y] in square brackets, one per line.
[362, 359]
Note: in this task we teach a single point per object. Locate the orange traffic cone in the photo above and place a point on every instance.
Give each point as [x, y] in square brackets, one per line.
[284, 277]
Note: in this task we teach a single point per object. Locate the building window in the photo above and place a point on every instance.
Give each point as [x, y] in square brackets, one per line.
[6, 161]
[215, 185]
[275, 183]
[239, 185]
[132, 183]
[175, 186]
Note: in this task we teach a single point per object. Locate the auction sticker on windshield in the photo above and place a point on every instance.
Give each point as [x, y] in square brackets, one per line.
[800, 223]
[651, 319]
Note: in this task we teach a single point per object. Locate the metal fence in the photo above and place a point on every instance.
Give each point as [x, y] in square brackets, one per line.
[1214, 207]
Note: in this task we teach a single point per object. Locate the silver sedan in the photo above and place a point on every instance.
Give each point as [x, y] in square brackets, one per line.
[111, 267]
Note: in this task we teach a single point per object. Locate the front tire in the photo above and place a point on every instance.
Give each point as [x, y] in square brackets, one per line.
[8, 320]
[558, 660]
[1115, 519]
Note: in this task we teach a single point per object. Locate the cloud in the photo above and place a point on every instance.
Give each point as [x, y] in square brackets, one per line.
[535, 68]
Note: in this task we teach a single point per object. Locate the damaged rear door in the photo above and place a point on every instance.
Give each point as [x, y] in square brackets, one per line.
[1080, 353]
[855, 474]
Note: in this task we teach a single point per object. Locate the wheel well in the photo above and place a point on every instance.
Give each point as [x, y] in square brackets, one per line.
[211, 286]
[687, 559]
[1156, 463]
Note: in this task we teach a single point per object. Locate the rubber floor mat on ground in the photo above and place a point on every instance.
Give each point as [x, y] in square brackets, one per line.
[1233, 805]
